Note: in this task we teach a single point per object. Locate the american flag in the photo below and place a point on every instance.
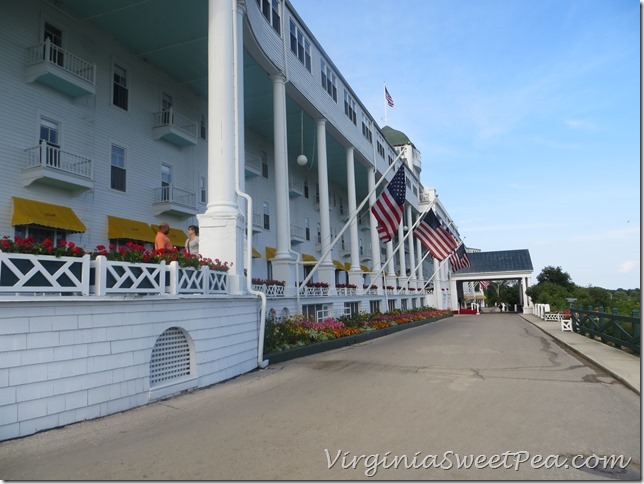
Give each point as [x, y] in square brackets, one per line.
[484, 284]
[436, 238]
[459, 259]
[388, 209]
[389, 99]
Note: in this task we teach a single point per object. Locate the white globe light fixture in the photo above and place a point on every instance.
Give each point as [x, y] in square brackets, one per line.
[302, 160]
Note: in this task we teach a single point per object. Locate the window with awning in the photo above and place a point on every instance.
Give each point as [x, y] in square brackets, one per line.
[32, 212]
[123, 228]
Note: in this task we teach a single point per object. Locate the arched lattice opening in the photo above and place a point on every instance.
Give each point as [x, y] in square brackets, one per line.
[171, 357]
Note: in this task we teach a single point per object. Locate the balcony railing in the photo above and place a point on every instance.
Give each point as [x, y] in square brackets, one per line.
[297, 234]
[170, 199]
[60, 69]
[175, 128]
[49, 164]
[295, 186]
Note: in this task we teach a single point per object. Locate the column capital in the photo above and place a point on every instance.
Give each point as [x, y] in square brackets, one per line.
[278, 77]
[320, 122]
[241, 6]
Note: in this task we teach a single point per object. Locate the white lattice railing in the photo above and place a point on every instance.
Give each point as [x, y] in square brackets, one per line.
[271, 290]
[26, 273]
[116, 277]
[346, 291]
[314, 291]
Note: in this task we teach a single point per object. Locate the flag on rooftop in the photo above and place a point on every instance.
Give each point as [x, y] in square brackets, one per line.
[388, 209]
[435, 237]
[389, 99]
[459, 259]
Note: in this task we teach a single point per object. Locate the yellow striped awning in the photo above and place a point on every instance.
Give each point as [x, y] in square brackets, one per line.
[347, 266]
[365, 268]
[26, 212]
[270, 252]
[177, 237]
[256, 254]
[339, 265]
[123, 228]
[308, 260]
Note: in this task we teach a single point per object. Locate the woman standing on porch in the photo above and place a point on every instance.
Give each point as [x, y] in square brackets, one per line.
[192, 242]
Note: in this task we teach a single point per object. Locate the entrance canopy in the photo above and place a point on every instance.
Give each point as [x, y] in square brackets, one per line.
[502, 264]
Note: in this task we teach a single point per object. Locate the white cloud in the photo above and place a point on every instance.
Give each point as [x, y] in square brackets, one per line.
[627, 266]
[581, 124]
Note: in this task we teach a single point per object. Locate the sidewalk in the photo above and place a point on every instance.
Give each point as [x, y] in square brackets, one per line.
[621, 365]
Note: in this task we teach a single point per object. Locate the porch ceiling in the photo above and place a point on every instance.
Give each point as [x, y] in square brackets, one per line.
[172, 37]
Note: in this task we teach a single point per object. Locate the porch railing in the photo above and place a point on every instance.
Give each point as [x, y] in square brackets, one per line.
[172, 194]
[176, 120]
[622, 331]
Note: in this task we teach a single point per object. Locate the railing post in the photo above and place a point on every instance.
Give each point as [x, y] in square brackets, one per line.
[205, 279]
[173, 271]
[43, 153]
[100, 276]
[47, 52]
[86, 261]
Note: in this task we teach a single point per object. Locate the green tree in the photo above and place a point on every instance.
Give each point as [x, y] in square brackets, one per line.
[557, 276]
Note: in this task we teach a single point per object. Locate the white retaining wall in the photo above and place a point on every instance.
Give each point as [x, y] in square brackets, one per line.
[68, 359]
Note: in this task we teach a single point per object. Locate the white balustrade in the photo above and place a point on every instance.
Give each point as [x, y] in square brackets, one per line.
[27, 273]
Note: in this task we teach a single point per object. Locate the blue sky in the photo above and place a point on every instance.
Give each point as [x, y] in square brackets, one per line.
[527, 115]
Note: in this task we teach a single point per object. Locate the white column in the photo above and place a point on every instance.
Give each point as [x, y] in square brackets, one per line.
[410, 242]
[326, 270]
[438, 285]
[402, 264]
[419, 252]
[373, 230]
[221, 227]
[355, 273]
[453, 290]
[283, 266]
[392, 280]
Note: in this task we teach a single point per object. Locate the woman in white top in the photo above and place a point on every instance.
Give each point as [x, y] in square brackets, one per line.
[192, 242]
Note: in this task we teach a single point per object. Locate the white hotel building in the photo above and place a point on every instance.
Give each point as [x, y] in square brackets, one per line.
[120, 114]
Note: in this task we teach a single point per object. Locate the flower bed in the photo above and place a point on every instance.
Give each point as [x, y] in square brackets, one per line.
[297, 332]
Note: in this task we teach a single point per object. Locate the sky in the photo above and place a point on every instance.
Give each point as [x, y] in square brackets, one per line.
[526, 114]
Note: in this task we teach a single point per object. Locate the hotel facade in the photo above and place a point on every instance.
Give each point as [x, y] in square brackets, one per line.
[226, 114]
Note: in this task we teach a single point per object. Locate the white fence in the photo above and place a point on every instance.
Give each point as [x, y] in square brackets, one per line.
[26, 274]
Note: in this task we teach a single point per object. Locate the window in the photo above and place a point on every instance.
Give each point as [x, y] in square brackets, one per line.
[55, 36]
[312, 311]
[264, 156]
[328, 80]
[166, 182]
[317, 192]
[39, 234]
[203, 193]
[390, 159]
[166, 108]
[117, 175]
[300, 45]
[319, 235]
[380, 148]
[271, 10]
[202, 127]
[366, 128]
[341, 207]
[267, 216]
[49, 135]
[392, 304]
[403, 304]
[374, 306]
[307, 228]
[342, 246]
[352, 308]
[350, 107]
[306, 187]
[119, 88]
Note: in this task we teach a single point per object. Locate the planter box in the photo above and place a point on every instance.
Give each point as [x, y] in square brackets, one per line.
[344, 341]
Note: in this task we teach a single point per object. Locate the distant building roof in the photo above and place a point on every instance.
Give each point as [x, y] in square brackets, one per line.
[395, 137]
[499, 261]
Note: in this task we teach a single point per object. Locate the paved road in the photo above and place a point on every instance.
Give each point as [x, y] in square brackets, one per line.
[469, 385]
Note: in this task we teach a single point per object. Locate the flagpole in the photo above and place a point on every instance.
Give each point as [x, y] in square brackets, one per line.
[402, 241]
[351, 217]
[384, 98]
[425, 257]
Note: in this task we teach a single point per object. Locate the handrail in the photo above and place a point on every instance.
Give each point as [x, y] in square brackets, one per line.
[622, 331]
